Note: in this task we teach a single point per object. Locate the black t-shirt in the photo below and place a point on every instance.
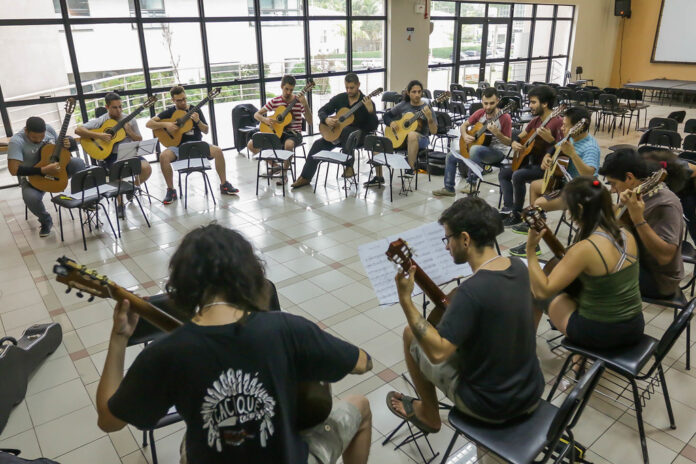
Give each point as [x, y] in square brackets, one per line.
[195, 134]
[242, 377]
[494, 332]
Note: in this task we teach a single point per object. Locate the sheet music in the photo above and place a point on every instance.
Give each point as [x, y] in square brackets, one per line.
[130, 150]
[91, 192]
[429, 253]
[474, 167]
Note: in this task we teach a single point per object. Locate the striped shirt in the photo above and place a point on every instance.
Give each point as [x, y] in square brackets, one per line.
[298, 111]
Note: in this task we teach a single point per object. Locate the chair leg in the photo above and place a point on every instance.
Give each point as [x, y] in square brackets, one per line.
[118, 219]
[82, 228]
[106, 213]
[186, 191]
[142, 210]
[391, 190]
[316, 177]
[147, 192]
[668, 403]
[639, 418]
[153, 450]
[258, 173]
[60, 221]
[145, 443]
[559, 377]
[206, 179]
[449, 447]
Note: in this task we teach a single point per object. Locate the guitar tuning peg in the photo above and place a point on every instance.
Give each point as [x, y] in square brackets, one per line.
[79, 294]
[91, 299]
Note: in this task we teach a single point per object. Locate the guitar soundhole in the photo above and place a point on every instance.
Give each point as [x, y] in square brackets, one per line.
[341, 119]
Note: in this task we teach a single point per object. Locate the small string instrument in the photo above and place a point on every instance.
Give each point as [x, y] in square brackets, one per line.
[55, 153]
[647, 188]
[183, 120]
[100, 149]
[535, 217]
[554, 174]
[314, 398]
[408, 123]
[479, 131]
[528, 145]
[282, 116]
[345, 118]
[400, 253]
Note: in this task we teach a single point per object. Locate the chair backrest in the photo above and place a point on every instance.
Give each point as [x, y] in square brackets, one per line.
[100, 111]
[624, 93]
[690, 126]
[610, 90]
[666, 138]
[584, 97]
[455, 86]
[570, 410]
[677, 116]
[509, 98]
[376, 144]
[198, 149]
[475, 107]
[444, 122]
[458, 95]
[689, 156]
[93, 176]
[242, 116]
[266, 141]
[663, 123]
[456, 107]
[470, 92]
[674, 331]
[608, 101]
[351, 143]
[124, 168]
[689, 142]
[427, 94]
[392, 97]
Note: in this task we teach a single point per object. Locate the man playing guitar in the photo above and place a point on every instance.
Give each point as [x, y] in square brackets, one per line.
[23, 152]
[292, 135]
[583, 151]
[466, 350]
[237, 368]
[365, 120]
[494, 153]
[200, 127]
[114, 110]
[513, 183]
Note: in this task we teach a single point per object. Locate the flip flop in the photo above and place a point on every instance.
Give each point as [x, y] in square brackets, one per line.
[407, 402]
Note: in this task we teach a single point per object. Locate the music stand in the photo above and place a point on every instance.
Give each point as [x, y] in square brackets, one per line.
[134, 149]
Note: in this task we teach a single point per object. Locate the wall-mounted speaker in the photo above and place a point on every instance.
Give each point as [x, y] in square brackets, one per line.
[622, 8]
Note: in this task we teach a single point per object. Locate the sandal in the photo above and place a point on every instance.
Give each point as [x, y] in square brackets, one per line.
[410, 416]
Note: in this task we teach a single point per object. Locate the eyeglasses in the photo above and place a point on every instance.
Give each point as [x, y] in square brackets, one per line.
[446, 239]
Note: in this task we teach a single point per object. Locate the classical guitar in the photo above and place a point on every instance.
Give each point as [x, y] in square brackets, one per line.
[528, 145]
[314, 398]
[183, 120]
[55, 153]
[479, 131]
[409, 122]
[535, 217]
[345, 118]
[101, 149]
[559, 162]
[19, 359]
[400, 253]
[645, 189]
[282, 116]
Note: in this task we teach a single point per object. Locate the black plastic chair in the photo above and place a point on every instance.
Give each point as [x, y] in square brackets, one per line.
[346, 157]
[521, 440]
[193, 157]
[677, 116]
[662, 123]
[689, 143]
[381, 152]
[271, 152]
[689, 156]
[121, 170]
[93, 177]
[679, 304]
[664, 138]
[628, 363]
[609, 109]
[690, 126]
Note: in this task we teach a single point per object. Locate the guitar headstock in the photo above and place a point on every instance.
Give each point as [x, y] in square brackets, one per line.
[400, 253]
[310, 85]
[535, 217]
[150, 101]
[70, 105]
[376, 92]
[655, 179]
[510, 107]
[559, 110]
[215, 92]
[443, 97]
[576, 129]
[86, 280]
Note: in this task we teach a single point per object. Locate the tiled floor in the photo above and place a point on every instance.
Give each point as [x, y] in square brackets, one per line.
[309, 242]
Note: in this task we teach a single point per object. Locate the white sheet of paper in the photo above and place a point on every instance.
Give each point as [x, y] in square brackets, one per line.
[130, 150]
[429, 253]
[92, 192]
[475, 168]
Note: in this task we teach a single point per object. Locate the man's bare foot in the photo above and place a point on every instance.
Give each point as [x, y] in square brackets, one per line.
[397, 406]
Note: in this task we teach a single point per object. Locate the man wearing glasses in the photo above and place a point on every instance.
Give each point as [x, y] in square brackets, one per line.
[169, 155]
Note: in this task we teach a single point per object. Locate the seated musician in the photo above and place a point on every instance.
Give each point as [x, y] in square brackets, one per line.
[235, 379]
[200, 127]
[513, 183]
[501, 131]
[114, 110]
[292, 134]
[416, 140]
[608, 311]
[583, 151]
[656, 218]
[23, 152]
[365, 120]
[465, 354]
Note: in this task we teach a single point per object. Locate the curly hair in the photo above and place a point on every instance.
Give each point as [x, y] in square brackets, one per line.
[475, 217]
[213, 261]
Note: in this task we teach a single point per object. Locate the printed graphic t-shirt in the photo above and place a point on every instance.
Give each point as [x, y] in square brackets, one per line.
[235, 385]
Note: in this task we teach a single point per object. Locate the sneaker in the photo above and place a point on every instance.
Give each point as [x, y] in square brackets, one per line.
[45, 229]
[443, 192]
[522, 228]
[409, 173]
[120, 212]
[521, 250]
[228, 189]
[512, 219]
[505, 212]
[376, 180]
[170, 197]
[487, 169]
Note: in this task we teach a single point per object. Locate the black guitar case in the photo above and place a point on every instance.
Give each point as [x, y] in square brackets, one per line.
[19, 359]
[11, 456]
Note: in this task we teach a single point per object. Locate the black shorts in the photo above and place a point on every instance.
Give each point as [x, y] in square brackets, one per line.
[604, 335]
[291, 135]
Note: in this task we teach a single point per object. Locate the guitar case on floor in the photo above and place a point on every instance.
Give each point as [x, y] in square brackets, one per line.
[19, 359]
[11, 456]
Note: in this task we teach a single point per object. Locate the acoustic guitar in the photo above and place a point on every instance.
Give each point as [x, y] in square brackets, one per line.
[408, 123]
[55, 153]
[101, 149]
[528, 145]
[314, 398]
[400, 253]
[345, 118]
[647, 188]
[559, 162]
[183, 120]
[282, 116]
[479, 131]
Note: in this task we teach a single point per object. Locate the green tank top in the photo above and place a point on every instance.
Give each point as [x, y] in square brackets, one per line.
[612, 297]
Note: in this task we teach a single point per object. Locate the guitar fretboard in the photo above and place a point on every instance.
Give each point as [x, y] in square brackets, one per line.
[61, 136]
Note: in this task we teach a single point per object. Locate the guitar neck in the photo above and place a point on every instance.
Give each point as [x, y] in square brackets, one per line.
[128, 118]
[553, 243]
[61, 136]
[145, 309]
[430, 288]
[536, 131]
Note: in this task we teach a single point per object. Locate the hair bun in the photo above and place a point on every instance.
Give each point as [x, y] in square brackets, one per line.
[663, 164]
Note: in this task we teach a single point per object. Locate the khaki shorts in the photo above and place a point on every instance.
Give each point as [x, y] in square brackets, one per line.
[329, 440]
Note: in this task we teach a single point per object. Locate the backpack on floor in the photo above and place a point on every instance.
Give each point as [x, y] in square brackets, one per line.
[11, 456]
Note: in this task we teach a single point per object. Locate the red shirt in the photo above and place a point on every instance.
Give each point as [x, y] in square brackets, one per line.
[298, 111]
[555, 125]
[505, 121]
